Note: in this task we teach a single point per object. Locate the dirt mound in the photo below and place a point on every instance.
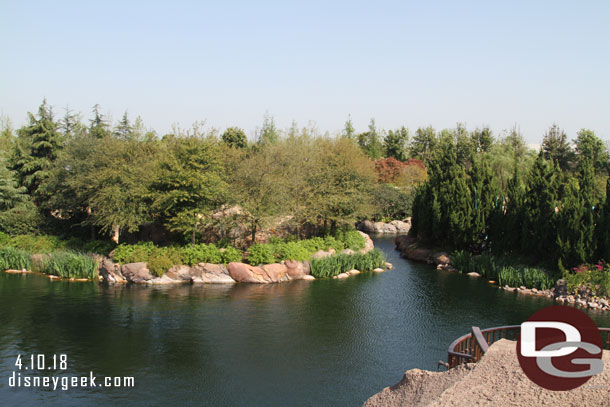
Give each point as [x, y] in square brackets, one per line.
[497, 380]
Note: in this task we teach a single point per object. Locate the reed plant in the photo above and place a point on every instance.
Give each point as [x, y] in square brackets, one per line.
[69, 264]
[16, 259]
[334, 265]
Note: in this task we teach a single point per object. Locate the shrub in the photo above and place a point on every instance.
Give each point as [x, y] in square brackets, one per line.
[200, 253]
[260, 254]
[353, 240]
[68, 264]
[21, 219]
[133, 253]
[36, 244]
[231, 254]
[16, 259]
[99, 246]
[158, 264]
[537, 278]
[292, 251]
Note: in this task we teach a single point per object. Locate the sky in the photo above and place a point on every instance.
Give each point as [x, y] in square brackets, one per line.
[412, 63]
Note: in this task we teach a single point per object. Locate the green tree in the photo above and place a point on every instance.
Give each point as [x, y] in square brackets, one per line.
[424, 145]
[189, 185]
[235, 137]
[556, 147]
[7, 137]
[539, 234]
[395, 144]
[38, 146]
[602, 230]
[482, 140]
[590, 147]
[268, 134]
[98, 127]
[485, 197]
[124, 130]
[348, 130]
[370, 142]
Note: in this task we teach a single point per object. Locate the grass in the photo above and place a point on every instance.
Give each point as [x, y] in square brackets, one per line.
[69, 264]
[334, 265]
[15, 259]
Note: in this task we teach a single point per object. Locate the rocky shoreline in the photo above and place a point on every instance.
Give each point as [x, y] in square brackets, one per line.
[410, 249]
[209, 273]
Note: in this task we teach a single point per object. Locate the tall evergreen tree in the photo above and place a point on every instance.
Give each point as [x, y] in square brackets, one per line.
[235, 137]
[485, 196]
[424, 144]
[602, 231]
[348, 130]
[124, 130]
[268, 134]
[540, 209]
[370, 142]
[98, 126]
[556, 147]
[395, 144]
[39, 145]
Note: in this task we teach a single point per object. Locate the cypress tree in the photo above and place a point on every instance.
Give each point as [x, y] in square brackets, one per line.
[602, 231]
[484, 195]
[539, 214]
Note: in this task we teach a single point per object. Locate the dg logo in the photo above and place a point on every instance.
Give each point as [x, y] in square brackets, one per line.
[560, 348]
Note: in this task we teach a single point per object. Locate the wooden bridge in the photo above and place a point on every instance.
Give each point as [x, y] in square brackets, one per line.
[471, 347]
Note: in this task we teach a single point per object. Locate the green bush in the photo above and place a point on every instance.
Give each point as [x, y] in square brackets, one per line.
[69, 264]
[292, 251]
[462, 261]
[15, 259]
[99, 246]
[231, 254]
[353, 240]
[36, 244]
[200, 253]
[158, 264]
[133, 253]
[22, 219]
[528, 277]
[333, 265]
[261, 254]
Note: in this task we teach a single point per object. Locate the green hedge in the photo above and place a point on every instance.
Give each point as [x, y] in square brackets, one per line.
[333, 265]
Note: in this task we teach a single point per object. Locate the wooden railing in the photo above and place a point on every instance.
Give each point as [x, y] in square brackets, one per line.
[471, 347]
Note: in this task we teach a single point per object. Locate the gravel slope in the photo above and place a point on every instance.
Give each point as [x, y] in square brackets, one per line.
[497, 380]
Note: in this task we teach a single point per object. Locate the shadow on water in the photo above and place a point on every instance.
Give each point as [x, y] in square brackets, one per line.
[325, 342]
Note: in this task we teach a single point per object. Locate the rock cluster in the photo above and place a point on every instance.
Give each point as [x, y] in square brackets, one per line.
[389, 228]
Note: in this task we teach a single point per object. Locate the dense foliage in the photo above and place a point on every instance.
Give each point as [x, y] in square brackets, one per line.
[342, 263]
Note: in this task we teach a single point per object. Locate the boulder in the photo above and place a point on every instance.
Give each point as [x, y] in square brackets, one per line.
[214, 268]
[295, 269]
[368, 243]
[347, 251]
[353, 272]
[473, 274]
[342, 275]
[402, 242]
[416, 253]
[366, 226]
[136, 272]
[389, 266]
[308, 277]
[164, 279]
[246, 273]
[385, 228]
[378, 270]
[441, 258]
[401, 227]
[179, 273]
[275, 271]
[110, 272]
[320, 254]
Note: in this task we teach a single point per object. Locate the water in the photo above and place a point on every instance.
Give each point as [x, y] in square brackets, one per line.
[331, 342]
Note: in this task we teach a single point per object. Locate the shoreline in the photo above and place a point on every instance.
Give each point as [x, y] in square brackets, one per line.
[410, 249]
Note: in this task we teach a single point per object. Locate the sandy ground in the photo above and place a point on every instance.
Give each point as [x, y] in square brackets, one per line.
[497, 380]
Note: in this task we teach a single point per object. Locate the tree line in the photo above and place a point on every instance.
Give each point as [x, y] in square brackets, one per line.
[554, 207]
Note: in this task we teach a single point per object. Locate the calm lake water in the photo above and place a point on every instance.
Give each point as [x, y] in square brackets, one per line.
[319, 343]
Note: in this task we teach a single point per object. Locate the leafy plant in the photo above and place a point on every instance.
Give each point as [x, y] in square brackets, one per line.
[69, 264]
[16, 259]
[333, 265]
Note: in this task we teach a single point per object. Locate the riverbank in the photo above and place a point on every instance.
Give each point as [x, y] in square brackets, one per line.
[562, 291]
[497, 379]
[354, 262]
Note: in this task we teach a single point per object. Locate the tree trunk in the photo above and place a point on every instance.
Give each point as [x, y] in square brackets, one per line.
[254, 226]
[115, 235]
[193, 237]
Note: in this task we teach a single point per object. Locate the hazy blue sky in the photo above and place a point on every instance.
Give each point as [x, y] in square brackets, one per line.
[416, 63]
